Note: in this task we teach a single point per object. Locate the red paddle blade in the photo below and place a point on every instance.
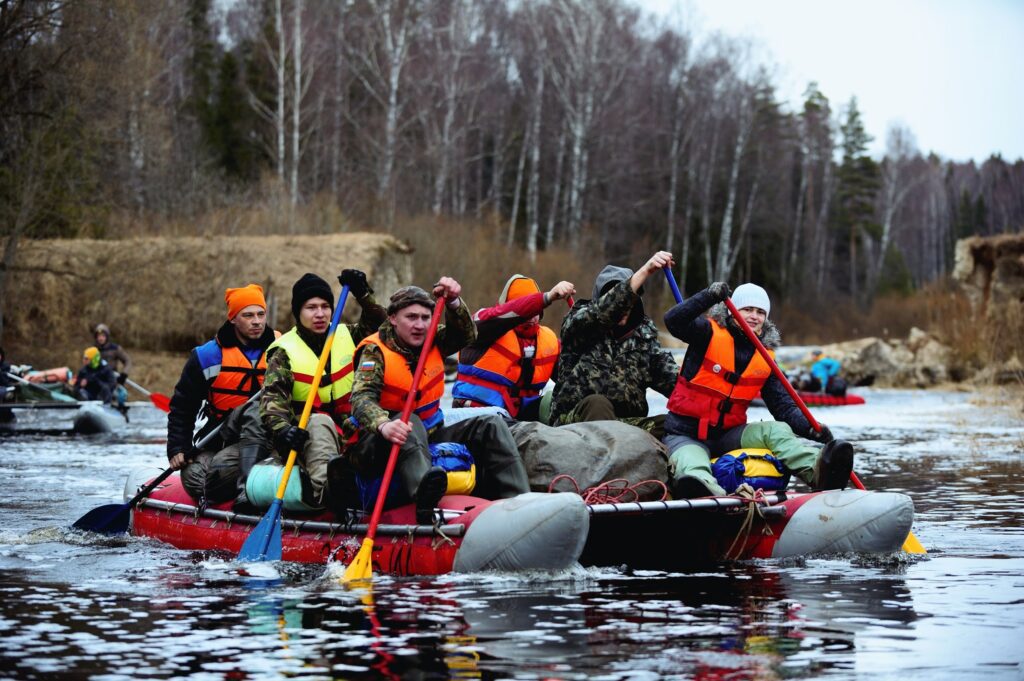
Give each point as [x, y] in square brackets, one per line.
[161, 402]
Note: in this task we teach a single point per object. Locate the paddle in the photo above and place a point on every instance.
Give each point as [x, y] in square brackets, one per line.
[361, 567]
[59, 397]
[161, 402]
[114, 518]
[911, 544]
[264, 541]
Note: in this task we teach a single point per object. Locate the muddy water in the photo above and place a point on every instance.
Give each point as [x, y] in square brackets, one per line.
[76, 607]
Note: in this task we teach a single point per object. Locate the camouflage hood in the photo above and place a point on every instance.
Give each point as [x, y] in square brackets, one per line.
[770, 335]
[609, 277]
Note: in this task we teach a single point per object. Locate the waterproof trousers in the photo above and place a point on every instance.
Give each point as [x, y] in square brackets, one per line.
[691, 457]
[214, 475]
[500, 472]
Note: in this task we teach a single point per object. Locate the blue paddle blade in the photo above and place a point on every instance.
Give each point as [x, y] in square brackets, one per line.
[264, 542]
[110, 519]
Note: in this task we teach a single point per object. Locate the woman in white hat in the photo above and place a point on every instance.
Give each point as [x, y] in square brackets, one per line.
[721, 374]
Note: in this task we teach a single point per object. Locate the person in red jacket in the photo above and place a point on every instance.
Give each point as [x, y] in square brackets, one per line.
[722, 373]
[513, 356]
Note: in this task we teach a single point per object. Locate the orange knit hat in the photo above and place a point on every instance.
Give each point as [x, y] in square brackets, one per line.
[239, 298]
[516, 287]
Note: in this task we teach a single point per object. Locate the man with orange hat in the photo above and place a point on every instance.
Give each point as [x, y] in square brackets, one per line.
[513, 356]
[217, 380]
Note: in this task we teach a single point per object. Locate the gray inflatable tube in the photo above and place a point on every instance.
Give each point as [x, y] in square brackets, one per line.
[530, 531]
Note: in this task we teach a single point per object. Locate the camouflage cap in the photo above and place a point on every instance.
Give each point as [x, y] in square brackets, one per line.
[409, 295]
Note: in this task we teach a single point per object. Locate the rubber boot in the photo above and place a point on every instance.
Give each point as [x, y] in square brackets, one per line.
[248, 455]
[431, 488]
[342, 491]
[834, 465]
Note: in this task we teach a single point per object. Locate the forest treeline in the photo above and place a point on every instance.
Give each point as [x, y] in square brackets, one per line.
[557, 125]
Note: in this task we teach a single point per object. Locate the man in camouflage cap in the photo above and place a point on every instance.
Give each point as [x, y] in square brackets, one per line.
[384, 364]
[611, 354]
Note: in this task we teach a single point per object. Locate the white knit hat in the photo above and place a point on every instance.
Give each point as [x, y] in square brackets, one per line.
[751, 295]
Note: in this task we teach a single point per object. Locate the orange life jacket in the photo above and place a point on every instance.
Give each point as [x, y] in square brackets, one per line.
[494, 379]
[232, 377]
[717, 396]
[398, 380]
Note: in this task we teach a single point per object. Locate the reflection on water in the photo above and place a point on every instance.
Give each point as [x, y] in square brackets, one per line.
[80, 607]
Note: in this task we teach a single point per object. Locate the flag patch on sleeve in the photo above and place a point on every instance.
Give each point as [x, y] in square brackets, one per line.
[366, 366]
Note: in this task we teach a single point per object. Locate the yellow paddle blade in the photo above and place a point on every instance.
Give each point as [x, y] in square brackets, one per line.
[361, 567]
[912, 545]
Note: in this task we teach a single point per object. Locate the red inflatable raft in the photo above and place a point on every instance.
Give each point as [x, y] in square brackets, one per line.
[554, 531]
[531, 531]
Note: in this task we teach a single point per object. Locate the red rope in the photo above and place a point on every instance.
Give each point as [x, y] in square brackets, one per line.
[617, 491]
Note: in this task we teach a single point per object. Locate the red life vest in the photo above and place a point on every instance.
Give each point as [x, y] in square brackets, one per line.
[717, 396]
[495, 378]
[398, 380]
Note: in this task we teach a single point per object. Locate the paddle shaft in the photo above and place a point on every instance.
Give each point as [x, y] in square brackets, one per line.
[161, 402]
[410, 399]
[137, 387]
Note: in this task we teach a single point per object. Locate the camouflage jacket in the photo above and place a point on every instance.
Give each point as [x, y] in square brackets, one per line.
[596, 361]
[458, 332]
[276, 402]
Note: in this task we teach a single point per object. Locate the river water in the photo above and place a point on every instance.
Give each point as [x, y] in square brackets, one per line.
[74, 606]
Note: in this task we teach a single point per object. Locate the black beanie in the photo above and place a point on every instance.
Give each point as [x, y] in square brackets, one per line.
[309, 286]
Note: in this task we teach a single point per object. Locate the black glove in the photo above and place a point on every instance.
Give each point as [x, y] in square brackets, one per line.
[720, 290]
[291, 438]
[824, 437]
[356, 282]
[121, 378]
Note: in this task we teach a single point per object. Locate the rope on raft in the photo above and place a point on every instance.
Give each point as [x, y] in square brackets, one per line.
[617, 491]
[755, 501]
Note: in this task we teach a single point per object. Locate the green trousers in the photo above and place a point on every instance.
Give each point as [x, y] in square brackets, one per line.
[693, 457]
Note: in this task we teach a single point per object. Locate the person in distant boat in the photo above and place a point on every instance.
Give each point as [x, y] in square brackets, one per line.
[216, 381]
[825, 374]
[385, 363]
[611, 354]
[721, 373]
[117, 359]
[95, 380]
[513, 356]
[292, 361]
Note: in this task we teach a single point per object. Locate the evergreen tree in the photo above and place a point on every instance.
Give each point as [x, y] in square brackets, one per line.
[232, 127]
[859, 181]
[201, 65]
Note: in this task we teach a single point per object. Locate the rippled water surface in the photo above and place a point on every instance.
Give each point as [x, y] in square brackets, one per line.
[74, 606]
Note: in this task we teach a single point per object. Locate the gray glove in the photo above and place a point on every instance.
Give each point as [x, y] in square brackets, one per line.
[720, 290]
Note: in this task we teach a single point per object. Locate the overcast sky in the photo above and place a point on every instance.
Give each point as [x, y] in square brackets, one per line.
[951, 70]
